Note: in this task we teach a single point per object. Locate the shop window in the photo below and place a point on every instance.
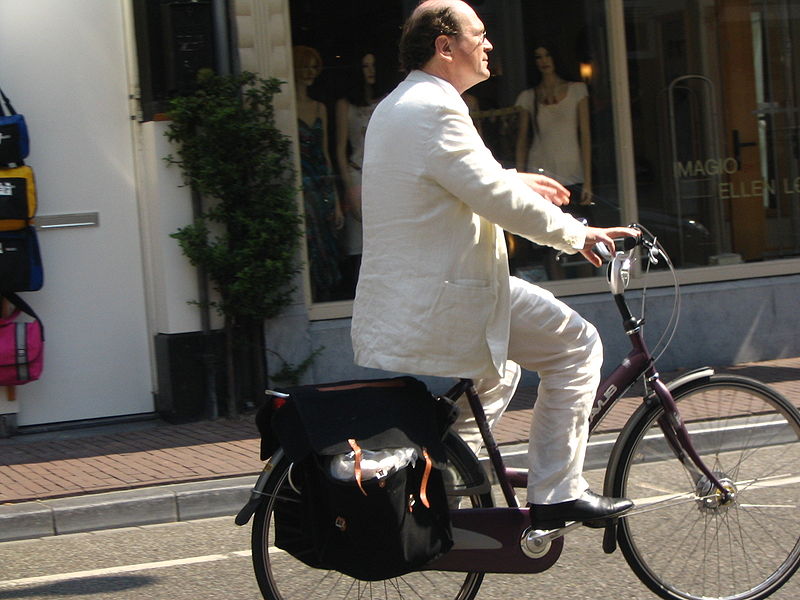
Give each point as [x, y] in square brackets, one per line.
[340, 42]
[713, 92]
[174, 40]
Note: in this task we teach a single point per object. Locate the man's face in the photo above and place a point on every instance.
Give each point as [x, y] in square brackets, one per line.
[470, 51]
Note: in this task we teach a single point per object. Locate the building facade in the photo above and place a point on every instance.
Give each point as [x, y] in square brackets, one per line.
[693, 132]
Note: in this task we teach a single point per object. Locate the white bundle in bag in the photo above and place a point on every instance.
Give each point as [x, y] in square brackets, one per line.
[374, 463]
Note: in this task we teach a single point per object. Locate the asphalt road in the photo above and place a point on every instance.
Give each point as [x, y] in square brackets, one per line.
[210, 560]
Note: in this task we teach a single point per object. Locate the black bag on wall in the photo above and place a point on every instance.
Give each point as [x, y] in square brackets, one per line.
[20, 261]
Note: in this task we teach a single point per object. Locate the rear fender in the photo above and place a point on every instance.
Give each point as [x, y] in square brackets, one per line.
[257, 495]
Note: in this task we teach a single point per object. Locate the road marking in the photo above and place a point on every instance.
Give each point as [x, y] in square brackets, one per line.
[164, 564]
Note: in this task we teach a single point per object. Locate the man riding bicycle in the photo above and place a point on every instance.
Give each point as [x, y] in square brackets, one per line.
[435, 296]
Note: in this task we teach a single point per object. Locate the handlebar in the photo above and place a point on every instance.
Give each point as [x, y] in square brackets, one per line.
[620, 260]
[623, 244]
[620, 264]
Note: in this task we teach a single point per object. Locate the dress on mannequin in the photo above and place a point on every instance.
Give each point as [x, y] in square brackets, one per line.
[319, 198]
[556, 147]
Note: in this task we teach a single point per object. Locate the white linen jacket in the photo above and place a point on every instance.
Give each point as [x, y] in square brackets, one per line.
[433, 291]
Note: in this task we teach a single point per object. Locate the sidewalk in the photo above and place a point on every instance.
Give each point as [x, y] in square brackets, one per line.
[153, 471]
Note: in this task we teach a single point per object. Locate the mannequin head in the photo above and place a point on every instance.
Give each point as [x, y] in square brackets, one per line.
[366, 80]
[368, 68]
[546, 62]
[307, 65]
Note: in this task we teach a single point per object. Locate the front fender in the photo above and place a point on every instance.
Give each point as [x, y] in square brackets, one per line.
[675, 386]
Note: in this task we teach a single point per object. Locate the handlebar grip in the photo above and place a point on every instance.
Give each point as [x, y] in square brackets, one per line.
[624, 244]
[630, 242]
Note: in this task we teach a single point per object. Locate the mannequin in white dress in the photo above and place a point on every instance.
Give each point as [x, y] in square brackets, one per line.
[557, 113]
[554, 137]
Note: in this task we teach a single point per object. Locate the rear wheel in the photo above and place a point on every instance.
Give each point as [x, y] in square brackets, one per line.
[694, 543]
[281, 576]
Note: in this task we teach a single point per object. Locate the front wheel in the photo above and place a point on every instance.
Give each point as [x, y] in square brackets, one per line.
[694, 543]
[281, 576]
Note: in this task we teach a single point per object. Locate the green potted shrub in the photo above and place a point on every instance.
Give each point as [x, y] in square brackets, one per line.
[247, 228]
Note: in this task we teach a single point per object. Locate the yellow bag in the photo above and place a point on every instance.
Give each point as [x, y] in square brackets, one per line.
[17, 198]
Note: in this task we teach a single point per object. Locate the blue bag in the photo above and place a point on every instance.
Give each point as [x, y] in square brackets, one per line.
[14, 145]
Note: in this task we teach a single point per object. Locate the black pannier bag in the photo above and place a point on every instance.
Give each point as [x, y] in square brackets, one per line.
[360, 514]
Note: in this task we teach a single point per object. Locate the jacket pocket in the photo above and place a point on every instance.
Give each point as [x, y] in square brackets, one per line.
[456, 323]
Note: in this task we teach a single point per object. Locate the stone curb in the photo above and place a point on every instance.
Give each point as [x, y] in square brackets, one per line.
[129, 508]
[173, 502]
[199, 500]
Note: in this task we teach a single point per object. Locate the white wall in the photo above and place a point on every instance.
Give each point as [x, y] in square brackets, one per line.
[63, 64]
[166, 205]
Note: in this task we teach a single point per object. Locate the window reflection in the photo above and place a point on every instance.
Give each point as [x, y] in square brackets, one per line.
[715, 127]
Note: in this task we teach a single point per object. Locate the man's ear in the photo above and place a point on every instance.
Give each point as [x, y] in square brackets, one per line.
[444, 46]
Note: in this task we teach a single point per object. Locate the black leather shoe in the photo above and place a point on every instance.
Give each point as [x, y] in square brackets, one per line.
[591, 509]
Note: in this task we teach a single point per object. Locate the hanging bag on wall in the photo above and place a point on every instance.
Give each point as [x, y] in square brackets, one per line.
[20, 261]
[13, 134]
[21, 344]
[17, 198]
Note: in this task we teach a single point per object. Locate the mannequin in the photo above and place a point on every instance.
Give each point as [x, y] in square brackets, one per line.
[352, 115]
[557, 111]
[323, 214]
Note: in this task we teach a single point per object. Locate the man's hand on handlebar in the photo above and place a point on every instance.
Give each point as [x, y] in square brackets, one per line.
[604, 236]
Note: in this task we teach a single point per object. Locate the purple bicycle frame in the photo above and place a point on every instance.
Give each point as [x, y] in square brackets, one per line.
[488, 539]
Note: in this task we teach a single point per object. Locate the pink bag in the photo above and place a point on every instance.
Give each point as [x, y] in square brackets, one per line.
[21, 344]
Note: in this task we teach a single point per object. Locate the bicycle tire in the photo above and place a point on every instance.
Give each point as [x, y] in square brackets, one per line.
[280, 576]
[694, 545]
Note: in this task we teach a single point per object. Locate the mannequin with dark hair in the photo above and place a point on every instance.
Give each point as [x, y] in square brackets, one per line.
[555, 118]
[556, 113]
[352, 115]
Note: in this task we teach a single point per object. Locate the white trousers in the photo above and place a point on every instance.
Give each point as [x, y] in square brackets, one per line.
[549, 337]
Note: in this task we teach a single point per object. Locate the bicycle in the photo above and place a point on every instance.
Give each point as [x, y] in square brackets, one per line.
[716, 488]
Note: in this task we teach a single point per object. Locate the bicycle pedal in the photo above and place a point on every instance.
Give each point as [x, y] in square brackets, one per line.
[538, 532]
[598, 524]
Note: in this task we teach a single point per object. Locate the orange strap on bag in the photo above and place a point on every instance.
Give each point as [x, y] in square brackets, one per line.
[357, 451]
[423, 488]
